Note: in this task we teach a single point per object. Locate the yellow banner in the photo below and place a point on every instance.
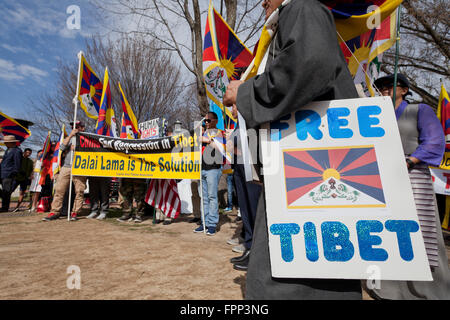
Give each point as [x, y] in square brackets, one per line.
[170, 165]
[445, 163]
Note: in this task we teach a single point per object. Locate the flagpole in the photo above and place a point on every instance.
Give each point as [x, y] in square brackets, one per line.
[201, 184]
[397, 49]
[75, 102]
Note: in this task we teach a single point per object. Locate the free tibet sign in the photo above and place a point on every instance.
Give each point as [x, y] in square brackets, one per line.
[338, 197]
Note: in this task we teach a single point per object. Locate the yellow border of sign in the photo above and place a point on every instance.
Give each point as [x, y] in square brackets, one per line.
[327, 206]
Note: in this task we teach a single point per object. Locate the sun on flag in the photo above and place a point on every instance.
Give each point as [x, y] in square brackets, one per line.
[89, 89]
[343, 177]
[224, 57]
[9, 126]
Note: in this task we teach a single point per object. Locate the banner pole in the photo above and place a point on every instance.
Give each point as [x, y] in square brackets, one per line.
[397, 49]
[75, 102]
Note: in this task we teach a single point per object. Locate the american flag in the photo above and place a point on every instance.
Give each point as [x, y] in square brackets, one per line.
[163, 194]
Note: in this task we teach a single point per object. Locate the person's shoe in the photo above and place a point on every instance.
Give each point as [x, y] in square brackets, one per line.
[199, 230]
[124, 218]
[16, 209]
[228, 209]
[166, 222]
[137, 219]
[244, 256]
[211, 231]
[157, 221]
[194, 220]
[51, 216]
[92, 215]
[240, 248]
[73, 216]
[241, 266]
[235, 241]
[101, 216]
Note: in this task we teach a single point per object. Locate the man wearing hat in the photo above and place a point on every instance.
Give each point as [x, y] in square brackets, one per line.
[9, 168]
[423, 144]
[63, 181]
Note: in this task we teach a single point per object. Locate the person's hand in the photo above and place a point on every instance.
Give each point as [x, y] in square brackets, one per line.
[234, 111]
[230, 96]
[74, 132]
[206, 140]
[228, 133]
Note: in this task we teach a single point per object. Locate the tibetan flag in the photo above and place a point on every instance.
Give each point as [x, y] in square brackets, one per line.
[9, 126]
[360, 51]
[224, 57]
[343, 177]
[355, 17]
[443, 114]
[130, 128]
[56, 160]
[105, 125]
[46, 158]
[89, 89]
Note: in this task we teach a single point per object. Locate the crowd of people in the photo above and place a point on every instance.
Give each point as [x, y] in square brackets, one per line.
[49, 191]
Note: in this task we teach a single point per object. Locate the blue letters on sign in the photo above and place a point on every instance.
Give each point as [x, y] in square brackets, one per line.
[311, 247]
[336, 234]
[366, 240]
[277, 126]
[335, 122]
[285, 230]
[366, 122]
[308, 121]
[403, 228]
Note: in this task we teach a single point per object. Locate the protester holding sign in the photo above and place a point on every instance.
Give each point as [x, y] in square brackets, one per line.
[304, 63]
[423, 144]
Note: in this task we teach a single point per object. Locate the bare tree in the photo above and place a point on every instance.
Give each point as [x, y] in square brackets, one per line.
[150, 80]
[176, 25]
[424, 47]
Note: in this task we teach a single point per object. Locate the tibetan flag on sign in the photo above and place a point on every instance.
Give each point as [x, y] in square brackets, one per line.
[224, 57]
[360, 51]
[56, 160]
[9, 126]
[89, 89]
[355, 17]
[344, 177]
[105, 124]
[130, 128]
[163, 195]
[443, 114]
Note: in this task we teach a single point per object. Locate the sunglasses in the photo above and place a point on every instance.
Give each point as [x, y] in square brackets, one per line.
[207, 120]
[390, 86]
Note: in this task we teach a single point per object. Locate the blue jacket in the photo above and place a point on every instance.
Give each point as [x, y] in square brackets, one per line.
[10, 165]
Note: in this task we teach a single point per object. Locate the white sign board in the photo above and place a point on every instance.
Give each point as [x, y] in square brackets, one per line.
[441, 181]
[151, 128]
[338, 197]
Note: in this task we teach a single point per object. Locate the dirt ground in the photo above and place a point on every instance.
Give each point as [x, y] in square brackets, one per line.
[117, 260]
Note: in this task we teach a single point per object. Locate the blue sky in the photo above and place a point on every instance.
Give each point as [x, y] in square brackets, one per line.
[33, 37]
